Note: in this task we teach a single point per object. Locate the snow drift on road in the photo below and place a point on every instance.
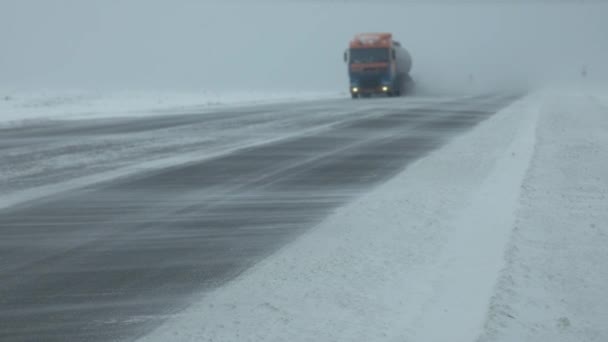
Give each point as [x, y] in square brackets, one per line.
[498, 236]
[36, 161]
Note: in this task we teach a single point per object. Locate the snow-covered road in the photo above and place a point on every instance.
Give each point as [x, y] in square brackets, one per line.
[51, 154]
[498, 236]
[416, 259]
[414, 219]
[129, 235]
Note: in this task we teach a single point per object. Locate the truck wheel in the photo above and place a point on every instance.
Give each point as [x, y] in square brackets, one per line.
[398, 90]
[354, 96]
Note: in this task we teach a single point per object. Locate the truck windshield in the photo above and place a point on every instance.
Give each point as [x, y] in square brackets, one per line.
[368, 55]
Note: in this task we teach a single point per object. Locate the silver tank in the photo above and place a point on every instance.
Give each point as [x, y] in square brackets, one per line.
[403, 59]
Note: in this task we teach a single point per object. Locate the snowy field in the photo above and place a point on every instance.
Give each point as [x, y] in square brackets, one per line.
[499, 236]
[19, 108]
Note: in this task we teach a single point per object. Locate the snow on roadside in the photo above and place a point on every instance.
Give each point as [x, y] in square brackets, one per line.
[19, 108]
[556, 279]
[383, 267]
[472, 258]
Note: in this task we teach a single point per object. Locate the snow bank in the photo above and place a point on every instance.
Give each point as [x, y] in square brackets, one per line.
[556, 279]
[19, 108]
[415, 259]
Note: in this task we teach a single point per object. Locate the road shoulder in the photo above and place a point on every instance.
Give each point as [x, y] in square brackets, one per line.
[555, 280]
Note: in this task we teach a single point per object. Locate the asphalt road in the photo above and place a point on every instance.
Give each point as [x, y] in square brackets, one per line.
[111, 261]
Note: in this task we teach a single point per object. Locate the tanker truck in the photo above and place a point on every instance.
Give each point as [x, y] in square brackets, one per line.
[377, 64]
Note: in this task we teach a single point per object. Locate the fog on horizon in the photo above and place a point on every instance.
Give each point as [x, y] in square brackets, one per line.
[293, 45]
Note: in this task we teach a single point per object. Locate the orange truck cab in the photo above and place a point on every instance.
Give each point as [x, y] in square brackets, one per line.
[377, 64]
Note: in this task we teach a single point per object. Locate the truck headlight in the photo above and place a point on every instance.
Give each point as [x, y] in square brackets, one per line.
[385, 89]
[355, 90]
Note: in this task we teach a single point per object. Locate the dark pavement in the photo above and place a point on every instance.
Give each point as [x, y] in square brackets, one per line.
[110, 261]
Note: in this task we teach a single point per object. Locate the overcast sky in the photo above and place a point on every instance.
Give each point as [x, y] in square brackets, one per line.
[295, 45]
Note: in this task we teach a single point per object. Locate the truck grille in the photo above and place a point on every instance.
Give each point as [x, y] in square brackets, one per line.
[368, 83]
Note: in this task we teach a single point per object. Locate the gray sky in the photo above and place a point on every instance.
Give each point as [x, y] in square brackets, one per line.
[294, 45]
